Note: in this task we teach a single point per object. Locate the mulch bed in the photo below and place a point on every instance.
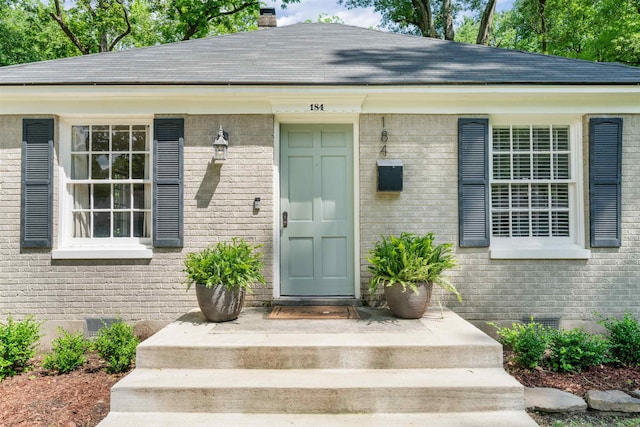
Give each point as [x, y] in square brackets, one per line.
[42, 398]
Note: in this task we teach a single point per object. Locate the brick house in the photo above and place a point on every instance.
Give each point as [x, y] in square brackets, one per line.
[528, 163]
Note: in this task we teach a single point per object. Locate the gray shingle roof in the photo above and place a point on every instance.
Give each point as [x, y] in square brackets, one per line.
[318, 54]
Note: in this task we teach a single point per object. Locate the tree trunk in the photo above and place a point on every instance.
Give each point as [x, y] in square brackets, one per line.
[447, 17]
[543, 26]
[486, 22]
[425, 18]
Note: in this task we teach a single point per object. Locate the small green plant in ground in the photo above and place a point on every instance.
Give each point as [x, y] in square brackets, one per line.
[624, 338]
[17, 345]
[68, 352]
[528, 342]
[576, 349]
[116, 344]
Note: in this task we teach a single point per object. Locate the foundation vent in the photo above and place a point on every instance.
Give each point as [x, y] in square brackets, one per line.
[94, 325]
[548, 322]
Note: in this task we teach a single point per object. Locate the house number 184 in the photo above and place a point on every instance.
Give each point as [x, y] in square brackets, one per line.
[316, 107]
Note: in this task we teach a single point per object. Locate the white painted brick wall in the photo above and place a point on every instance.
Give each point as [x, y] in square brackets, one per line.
[218, 204]
[498, 290]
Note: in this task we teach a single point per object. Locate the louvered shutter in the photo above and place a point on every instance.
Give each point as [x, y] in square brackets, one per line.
[473, 182]
[167, 182]
[37, 181]
[605, 173]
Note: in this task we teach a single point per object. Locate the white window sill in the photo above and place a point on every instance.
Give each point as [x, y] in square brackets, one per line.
[515, 248]
[138, 252]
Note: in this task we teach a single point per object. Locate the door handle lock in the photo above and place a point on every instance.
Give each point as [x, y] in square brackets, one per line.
[285, 219]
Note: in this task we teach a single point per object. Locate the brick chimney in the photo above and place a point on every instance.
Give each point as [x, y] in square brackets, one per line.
[267, 18]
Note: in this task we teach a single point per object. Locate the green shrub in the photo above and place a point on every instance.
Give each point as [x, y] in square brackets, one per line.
[116, 344]
[527, 341]
[624, 339]
[574, 350]
[17, 345]
[68, 352]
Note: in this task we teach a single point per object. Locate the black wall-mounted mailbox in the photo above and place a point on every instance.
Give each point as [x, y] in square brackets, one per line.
[389, 175]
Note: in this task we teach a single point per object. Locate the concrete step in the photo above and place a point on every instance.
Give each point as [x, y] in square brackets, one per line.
[254, 342]
[458, 419]
[330, 391]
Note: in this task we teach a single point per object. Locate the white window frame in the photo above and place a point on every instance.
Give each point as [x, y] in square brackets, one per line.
[69, 247]
[572, 247]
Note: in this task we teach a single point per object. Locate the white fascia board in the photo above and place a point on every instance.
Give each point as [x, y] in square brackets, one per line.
[470, 99]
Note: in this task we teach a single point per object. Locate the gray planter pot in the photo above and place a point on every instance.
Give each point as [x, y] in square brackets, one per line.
[219, 304]
[408, 305]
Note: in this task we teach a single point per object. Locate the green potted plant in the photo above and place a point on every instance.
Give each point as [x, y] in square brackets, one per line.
[223, 273]
[408, 266]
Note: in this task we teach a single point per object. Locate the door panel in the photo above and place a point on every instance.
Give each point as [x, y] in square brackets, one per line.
[316, 188]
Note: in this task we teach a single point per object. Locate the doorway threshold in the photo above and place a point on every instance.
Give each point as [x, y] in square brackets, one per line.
[311, 301]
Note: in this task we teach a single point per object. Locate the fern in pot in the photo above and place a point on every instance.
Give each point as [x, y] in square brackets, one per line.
[408, 266]
[223, 273]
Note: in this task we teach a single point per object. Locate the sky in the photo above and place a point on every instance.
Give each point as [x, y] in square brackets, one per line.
[311, 9]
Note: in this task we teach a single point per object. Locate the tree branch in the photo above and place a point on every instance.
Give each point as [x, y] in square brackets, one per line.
[60, 20]
[127, 31]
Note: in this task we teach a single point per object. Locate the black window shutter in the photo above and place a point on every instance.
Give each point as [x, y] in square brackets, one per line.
[36, 219]
[473, 182]
[168, 147]
[605, 177]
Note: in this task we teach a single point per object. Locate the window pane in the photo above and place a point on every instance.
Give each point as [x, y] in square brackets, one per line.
[120, 167]
[521, 166]
[560, 138]
[82, 196]
[139, 166]
[101, 224]
[139, 138]
[541, 166]
[561, 166]
[521, 139]
[141, 221]
[99, 166]
[541, 139]
[500, 196]
[560, 196]
[140, 199]
[102, 196]
[122, 196]
[501, 166]
[500, 225]
[100, 138]
[79, 166]
[540, 224]
[80, 138]
[520, 224]
[501, 139]
[120, 139]
[540, 196]
[520, 196]
[560, 224]
[121, 224]
[81, 227]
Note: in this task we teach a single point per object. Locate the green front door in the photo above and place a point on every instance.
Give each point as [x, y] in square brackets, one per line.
[316, 210]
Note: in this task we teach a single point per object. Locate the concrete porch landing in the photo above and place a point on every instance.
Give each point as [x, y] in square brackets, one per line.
[378, 370]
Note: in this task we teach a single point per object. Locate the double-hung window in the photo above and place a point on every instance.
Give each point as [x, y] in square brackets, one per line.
[535, 207]
[107, 202]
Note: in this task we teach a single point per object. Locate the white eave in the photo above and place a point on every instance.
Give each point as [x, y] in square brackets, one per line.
[217, 99]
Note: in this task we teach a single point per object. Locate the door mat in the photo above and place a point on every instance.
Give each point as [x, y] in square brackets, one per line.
[314, 312]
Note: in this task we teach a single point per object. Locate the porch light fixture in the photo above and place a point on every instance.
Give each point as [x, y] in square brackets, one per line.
[221, 145]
